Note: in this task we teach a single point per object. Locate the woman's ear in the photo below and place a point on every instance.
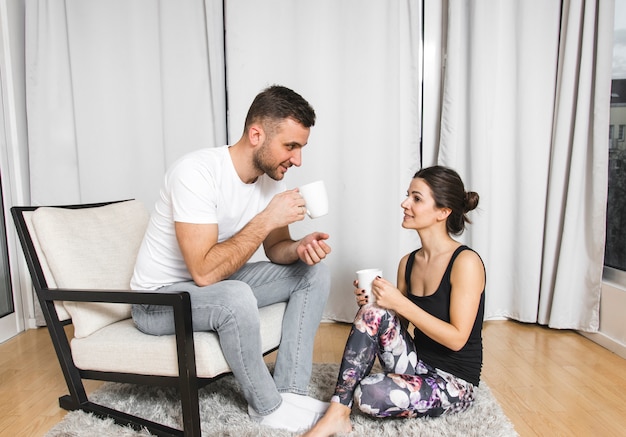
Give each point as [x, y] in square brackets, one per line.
[444, 213]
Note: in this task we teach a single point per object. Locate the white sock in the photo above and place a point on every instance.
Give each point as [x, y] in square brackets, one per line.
[287, 416]
[306, 402]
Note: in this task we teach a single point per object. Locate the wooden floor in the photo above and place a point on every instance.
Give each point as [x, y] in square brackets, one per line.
[549, 383]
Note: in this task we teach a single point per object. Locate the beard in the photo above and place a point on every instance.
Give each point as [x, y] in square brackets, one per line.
[262, 160]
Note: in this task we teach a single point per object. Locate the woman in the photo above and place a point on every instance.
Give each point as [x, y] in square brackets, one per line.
[441, 293]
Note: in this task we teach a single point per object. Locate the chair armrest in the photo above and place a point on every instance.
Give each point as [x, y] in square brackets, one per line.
[170, 298]
[180, 302]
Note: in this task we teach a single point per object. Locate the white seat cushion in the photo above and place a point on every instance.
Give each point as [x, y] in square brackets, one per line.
[121, 347]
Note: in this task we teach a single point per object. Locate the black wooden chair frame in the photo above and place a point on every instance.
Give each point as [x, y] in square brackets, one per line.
[186, 382]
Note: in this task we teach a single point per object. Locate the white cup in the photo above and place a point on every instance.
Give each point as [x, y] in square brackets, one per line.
[315, 198]
[365, 278]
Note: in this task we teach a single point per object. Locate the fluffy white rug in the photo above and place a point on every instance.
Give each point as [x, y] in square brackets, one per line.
[224, 413]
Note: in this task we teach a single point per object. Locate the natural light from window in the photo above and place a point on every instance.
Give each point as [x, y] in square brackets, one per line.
[615, 249]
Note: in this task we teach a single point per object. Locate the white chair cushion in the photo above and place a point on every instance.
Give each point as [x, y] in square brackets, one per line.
[92, 248]
[121, 347]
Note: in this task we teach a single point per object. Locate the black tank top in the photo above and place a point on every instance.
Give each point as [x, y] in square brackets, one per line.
[465, 363]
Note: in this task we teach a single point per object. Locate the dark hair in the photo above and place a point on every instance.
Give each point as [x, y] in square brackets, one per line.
[449, 192]
[277, 103]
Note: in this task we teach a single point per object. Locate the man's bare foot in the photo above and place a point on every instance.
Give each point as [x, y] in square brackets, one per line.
[335, 421]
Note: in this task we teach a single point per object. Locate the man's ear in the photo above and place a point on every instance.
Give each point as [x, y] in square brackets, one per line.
[256, 134]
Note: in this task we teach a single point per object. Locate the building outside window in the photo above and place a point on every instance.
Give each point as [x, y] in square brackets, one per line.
[615, 249]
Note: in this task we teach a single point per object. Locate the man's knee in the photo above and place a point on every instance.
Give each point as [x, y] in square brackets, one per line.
[231, 303]
[319, 278]
[238, 299]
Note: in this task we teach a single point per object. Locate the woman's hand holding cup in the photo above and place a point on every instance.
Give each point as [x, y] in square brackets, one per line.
[364, 280]
[361, 296]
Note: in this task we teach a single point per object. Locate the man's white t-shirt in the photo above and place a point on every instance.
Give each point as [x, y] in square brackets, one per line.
[201, 187]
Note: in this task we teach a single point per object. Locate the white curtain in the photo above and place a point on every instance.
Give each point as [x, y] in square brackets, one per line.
[358, 63]
[525, 121]
[117, 90]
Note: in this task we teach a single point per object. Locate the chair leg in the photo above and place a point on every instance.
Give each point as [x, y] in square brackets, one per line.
[191, 415]
[67, 403]
[187, 377]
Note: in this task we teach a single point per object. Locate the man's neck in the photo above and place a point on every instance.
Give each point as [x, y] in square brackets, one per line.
[241, 156]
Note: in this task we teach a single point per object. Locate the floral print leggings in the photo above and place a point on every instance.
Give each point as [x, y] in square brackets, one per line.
[407, 387]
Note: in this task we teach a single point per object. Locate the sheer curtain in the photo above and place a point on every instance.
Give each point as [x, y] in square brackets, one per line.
[117, 90]
[358, 64]
[525, 120]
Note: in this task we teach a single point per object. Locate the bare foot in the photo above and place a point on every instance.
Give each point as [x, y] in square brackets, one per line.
[335, 421]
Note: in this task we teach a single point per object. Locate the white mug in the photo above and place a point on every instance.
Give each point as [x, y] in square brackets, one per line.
[365, 278]
[315, 198]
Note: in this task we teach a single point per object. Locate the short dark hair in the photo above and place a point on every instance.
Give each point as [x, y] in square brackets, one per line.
[449, 192]
[277, 103]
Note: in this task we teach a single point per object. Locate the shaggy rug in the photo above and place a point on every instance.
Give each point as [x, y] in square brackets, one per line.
[224, 413]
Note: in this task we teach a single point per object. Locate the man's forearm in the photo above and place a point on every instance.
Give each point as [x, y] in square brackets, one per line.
[225, 258]
[283, 252]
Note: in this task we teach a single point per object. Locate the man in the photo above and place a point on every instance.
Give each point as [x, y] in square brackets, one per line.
[217, 206]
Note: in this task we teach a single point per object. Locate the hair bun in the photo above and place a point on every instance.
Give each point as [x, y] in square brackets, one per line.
[471, 200]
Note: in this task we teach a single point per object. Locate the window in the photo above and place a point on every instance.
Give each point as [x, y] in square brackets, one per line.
[615, 249]
[6, 293]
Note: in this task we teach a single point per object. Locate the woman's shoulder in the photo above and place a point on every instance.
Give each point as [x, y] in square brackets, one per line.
[467, 255]
[403, 262]
[468, 264]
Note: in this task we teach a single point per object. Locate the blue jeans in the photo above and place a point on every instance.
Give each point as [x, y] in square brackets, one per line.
[230, 308]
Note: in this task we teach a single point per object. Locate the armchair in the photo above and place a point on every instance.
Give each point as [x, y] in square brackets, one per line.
[80, 259]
